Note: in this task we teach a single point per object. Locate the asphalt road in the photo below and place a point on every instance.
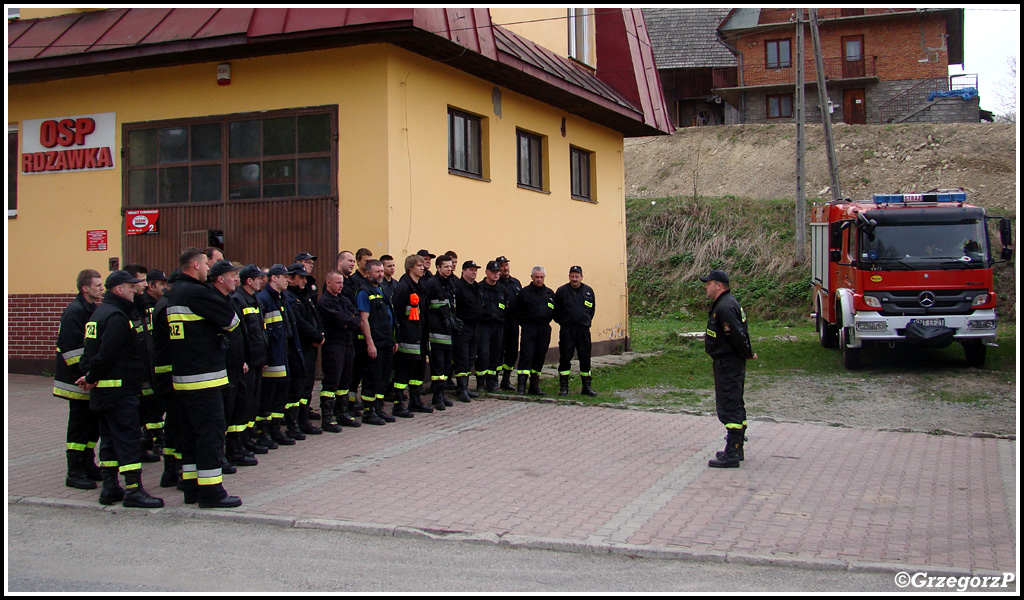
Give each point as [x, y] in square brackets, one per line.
[52, 549]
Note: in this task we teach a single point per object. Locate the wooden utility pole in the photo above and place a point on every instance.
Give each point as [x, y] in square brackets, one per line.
[826, 117]
[801, 184]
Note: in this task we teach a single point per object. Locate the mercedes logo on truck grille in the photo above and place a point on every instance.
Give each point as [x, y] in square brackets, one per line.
[926, 299]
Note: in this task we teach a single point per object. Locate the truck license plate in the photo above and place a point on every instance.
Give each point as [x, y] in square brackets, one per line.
[930, 322]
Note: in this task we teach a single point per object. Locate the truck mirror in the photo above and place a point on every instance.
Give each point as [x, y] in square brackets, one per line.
[1006, 254]
[1005, 232]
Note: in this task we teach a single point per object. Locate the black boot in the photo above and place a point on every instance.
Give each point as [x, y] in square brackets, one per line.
[491, 383]
[378, 408]
[263, 437]
[730, 458]
[89, 465]
[535, 385]
[214, 496]
[521, 384]
[398, 409]
[506, 383]
[563, 385]
[370, 415]
[327, 420]
[135, 495]
[587, 390]
[169, 478]
[291, 419]
[226, 467]
[76, 472]
[250, 441]
[274, 429]
[462, 385]
[111, 491]
[236, 454]
[416, 402]
[721, 453]
[438, 399]
[304, 425]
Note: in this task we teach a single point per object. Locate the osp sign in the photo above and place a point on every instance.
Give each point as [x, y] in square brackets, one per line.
[62, 144]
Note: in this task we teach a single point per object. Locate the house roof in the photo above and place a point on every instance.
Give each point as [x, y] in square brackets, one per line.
[121, 39]
[686, 37]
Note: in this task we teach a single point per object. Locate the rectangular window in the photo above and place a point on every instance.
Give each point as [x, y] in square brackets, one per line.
[464, 144]
[529, 160]
[579, 174]
[12, 171]
[287, 154]
[777, 55]
[579, 34]
[780, 106]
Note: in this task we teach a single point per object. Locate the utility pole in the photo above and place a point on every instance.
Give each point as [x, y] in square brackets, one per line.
[801, 184]
[826, 118]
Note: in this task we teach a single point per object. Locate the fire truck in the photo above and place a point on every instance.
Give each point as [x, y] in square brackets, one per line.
[908, 269]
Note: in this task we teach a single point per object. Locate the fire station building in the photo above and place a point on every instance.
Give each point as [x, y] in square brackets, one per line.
[136, 132]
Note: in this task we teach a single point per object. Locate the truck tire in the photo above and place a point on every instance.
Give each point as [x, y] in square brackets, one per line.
[975, 353]
[826, 331]
[851, 356]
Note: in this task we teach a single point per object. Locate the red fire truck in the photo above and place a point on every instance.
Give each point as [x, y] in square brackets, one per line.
[912, 269]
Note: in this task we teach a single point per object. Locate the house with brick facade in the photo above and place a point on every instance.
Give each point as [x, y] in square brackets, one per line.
[882, 65]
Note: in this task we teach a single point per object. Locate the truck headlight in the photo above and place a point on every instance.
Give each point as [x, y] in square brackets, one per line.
[872, 301]
[980, 299]
[871, 325]
[986, 324]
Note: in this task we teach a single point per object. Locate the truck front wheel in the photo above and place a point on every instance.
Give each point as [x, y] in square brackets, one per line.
[851, 356]
[975, 352]
[826, 331]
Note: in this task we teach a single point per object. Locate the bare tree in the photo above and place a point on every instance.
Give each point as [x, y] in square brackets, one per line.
[1006, 94]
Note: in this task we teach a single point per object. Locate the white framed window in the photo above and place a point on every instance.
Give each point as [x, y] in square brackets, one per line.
[581, 34]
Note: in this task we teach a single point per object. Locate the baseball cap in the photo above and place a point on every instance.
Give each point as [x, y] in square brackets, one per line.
[426, 254]
[576, 269]
[297, 269]
[304, 256]
[277, 270]
[219, 268]
[156, 275]
[501, 259]
[470, 265]
[716, 275]
[251, 271]
[118, 277]
[493, 266]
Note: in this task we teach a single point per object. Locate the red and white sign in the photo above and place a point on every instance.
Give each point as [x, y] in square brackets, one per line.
[66, 144]
[138, 222]
[96, 240]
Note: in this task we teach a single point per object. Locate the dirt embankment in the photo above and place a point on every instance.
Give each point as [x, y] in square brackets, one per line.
[759, 161]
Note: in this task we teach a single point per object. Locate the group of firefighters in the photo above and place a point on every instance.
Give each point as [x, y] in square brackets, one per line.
[216, 362]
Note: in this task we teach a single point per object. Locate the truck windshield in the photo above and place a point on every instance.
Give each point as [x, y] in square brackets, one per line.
[934, 245]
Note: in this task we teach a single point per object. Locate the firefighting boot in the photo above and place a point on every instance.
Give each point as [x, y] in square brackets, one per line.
[506, 383]
[399, 409]
[462, 384]
[169, 478]
[263, 436]
[563, 385]
[236, 453]
[370, 415]
[277, 435]
[378, 409]
[491, 381]
[76, 472]
[158, 440]
[416, 401]
[327, 420]
[721, 453]
[730, 458]
[135, 495]
[251, 442]
[291, 419]
[111, 491]
[214, 496]
[521, 384]
[438, 399]
[587, 390]
[346, 413]
[304, 425]
[535, 385]
[89, 465]
[147, 455]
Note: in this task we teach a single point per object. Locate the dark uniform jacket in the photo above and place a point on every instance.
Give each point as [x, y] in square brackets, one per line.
[440, 304]
[280, 327]
[339, 317]
[381, 314]
[234, 340]
[70, 347]
[252, 324]
[535, 305]
[468, 304]
[114, 358]
[162, 358]
[726, 334]
[512, 289]
[307, 319]
[198, 317]
[493, 302]
[389, 287]
[410, 313]
[574, 307]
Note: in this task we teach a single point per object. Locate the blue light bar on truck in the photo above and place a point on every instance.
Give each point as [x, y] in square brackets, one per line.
[920, 198]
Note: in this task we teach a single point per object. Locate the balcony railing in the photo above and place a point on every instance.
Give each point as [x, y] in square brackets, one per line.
[835, 68]
[901, 105]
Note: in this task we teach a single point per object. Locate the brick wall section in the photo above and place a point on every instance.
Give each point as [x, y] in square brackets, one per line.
[32, 323]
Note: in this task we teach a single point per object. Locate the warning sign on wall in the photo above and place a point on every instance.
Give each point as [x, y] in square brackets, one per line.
[96, 240]
[139, 222]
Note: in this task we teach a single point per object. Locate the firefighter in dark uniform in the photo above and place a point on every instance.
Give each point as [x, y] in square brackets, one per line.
[83, 424]
[311, 337]
[441, 328]
[535, 307]
[115, 367]
[198, 316]
[574, 312]
[489, 343]
[279, 326]
[347, 267]
[409, 302]
[468, 309]
[378, 327]
[251, 279]
[163, 387]
[510, 347]
[728, 343]
[341, 322]
[152, 406]
[309, 261]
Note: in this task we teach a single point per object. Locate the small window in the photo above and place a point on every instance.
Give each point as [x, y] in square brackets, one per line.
[12, 171]
[464, 144]
[780, 106]
[579, 174]
[529, 161]
[777, 54]
[579, 34]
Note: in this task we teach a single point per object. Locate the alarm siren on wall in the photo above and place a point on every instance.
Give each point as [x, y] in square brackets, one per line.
[224, 74]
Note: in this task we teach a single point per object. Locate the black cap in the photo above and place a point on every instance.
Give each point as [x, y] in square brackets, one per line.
[156, 275]
[277, 270]
[174, 276]
[118, 277]
[576, 269]
[250, 272]
[470, 265]
[426, 253]
[304, 256]
[297, 269]
[493, 266]
[716, 275]
[501, 260]
[219, 268]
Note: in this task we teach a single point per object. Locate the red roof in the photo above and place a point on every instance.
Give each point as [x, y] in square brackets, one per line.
[623, 95]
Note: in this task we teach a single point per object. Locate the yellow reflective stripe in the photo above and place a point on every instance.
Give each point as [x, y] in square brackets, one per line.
[415, 383]
[154, 425]
[712, 334]
[107, 463]
[251, 310]
[147, 391]
[734, 425]
[303, 401]
[131, 467]
[587, 374]
[72, 357]
[401, 386]
[108, 383]
[272, 317]
[565, 372]
[588, 304]
[161, 369]
[210, 480]
[200, 381]
[550, 305]
[501, 306]
[74, 446]
[177, 314]
[291, 405]
[275, 415]
[69, 391]
[276, 371]
[203, 385]
[235, 321]
[328, 395]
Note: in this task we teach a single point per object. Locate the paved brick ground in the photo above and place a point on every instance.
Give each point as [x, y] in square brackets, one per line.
[596, 478]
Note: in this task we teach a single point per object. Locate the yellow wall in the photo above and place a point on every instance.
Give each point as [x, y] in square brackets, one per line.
[545, 26]
[44, 12]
